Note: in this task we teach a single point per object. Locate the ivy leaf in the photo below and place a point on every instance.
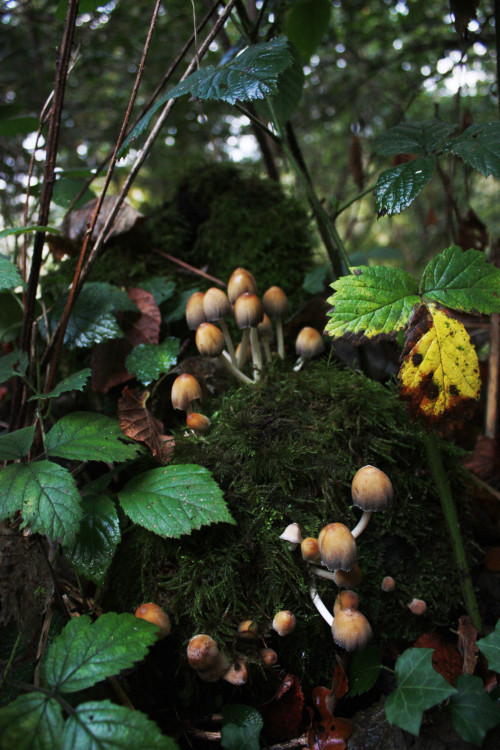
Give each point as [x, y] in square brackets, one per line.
[85, 652]
[74, 382]
[479, 146]
[86, 436]
[364, 669]
[490, 647]
[413, 138]
[398, 186]
[104, 725]
[9, 274]
[371, 302]
[419, 687]
[16, 444]
[32, 722]
[440, 374]
[15, 363]
[174, 500]
[462, 281]
[148, 361]
[241, 727]
[46, 495]
[99, 534]
[472, 710]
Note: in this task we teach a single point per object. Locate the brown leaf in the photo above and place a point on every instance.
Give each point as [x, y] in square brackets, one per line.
[484, 461]
[446, 660]
[356, 161]
[467, 636]
[283, 714]
[146, 329]
[329, 731]
[472, 232]
[137, 423]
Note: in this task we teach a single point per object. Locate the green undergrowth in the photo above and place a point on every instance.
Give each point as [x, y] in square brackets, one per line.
[285, 451]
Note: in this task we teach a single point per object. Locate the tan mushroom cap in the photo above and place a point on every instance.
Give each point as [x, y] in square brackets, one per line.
[284, 622]
[348, 578]
[248, 311]
[268, 656]
[351, 630]
[153, 613]
[309, 342]
[216, 304]
[195, 315]
[337, 546]
[371, 489]
[198, 422]
[265, 329]
[237, 674]
[275, 302]
[209, 340]
[202, 651]
[310, 549]
[239, 282]
[346, 599]
[185, 389]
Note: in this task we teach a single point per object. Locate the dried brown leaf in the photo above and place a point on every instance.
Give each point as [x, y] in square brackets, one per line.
[137, 423]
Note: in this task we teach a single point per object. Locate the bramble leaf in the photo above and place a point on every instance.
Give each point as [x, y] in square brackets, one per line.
[472, 710]
[413, 138]
[86, 436]
[419, 687]
[398, 186]
[479, 146]
[462, 281]
[31, 722]
[15, 363]
[98, 536]
[174, 500]
[9, 274]
[364, 669]
[370, 302]
[290, 88]
[440, 374]
[46, 495]
[241, 727]
[490, 647]
[104, 725]
[87, 652]
[148, 361]
[16, 444]
[74, 382]
[306, 23]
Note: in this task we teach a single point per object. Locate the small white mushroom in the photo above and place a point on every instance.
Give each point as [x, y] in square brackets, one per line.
[292, 535]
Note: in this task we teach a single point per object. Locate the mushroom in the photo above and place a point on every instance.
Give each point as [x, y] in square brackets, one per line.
[265, 331]
[216, 307]
[155, 614]
[337, 546]
[197, 422]
[388, 584]
[284, 622]
[268, 656]
[210, 343]
[248, 313]
[275, 303]
[185, 390]
[309, 343]
[345, 600]
[218, 670]
[239, 282]
[417, 607]
[202, 652]
[247, 629]
[372, 491]
[348, 579]
[194, 311]
[237, 674]
[292, 535]
[351, 630]
[310, 549]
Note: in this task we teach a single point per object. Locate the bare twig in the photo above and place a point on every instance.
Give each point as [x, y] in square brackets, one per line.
[190, 268]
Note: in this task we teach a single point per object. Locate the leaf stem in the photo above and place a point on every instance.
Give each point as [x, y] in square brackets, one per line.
[451, 517]
[355, 198]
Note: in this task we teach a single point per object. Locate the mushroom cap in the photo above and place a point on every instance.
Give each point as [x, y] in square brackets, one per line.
[185, 389]
[345, 600]
[202, 652]
[417, 607]
[337, 546]
[194, 311]
[309, 342]
[388, 584]
[371, 489]
[351, 630]
[237, 674]
[269, 656]
[216, 304]
[292, 534]
[217, 670]
[239, 282]
[198, 422]
[248, 629]
[248, 311]
[310, 549]
[154, 614]
[265, 329]
[275, 302]
[348, 578]
[209, 340]
[284, 622]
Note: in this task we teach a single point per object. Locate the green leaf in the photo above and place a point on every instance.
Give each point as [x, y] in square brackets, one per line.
[86, 436]
[174, 500]
[306, 23]
[15, 363]
[180, 306]
[398, 186]
[32, 722]
[96, 541]
[241, 727]
[290, 88]
[372, 301]
[9, 274]
[74, 382]
[85, 652]
[148, 361]
[364, 669]
[16, 444]
[28, 230]
[419, 687]
[104, 725]
[472, 710]
[18, 126]
[462, 281]
[160, 288]
[315, 280]
[46, 495]
[424, 137]
[479, 146]
[11, 319]
[490, 647]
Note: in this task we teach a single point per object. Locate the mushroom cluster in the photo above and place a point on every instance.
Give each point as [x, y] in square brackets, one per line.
[333, 556]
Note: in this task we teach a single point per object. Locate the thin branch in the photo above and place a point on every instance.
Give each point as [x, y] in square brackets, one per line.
[188, 267]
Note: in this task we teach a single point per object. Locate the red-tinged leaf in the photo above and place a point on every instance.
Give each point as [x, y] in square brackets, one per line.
[283, 714]
[467, 637]
[146, 329]
[446, 660]
[484, 461]
[329, 731]
[137, 423]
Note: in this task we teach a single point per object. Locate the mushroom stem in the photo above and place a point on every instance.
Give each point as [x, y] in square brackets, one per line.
[320, 606]
[229, 341]
[280, 341]
[362, 523]
[298, 364]
[256, 355]
[226, 361]
[245, 340]
[322, 573]
[267, 350]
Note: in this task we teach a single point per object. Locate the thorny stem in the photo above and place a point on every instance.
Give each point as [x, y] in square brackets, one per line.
[451, 518]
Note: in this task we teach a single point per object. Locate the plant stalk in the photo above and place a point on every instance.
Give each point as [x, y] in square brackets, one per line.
[451, 517]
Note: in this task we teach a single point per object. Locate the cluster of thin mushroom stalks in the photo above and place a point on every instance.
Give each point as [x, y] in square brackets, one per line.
[335, 549]
[206, 313]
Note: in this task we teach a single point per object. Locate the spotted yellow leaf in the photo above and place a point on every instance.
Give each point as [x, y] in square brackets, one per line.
[440, 373]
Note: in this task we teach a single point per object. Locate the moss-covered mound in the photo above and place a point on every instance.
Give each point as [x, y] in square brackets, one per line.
[286, 450]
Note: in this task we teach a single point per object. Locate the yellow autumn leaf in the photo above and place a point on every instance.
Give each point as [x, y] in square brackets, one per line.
[440, 374]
